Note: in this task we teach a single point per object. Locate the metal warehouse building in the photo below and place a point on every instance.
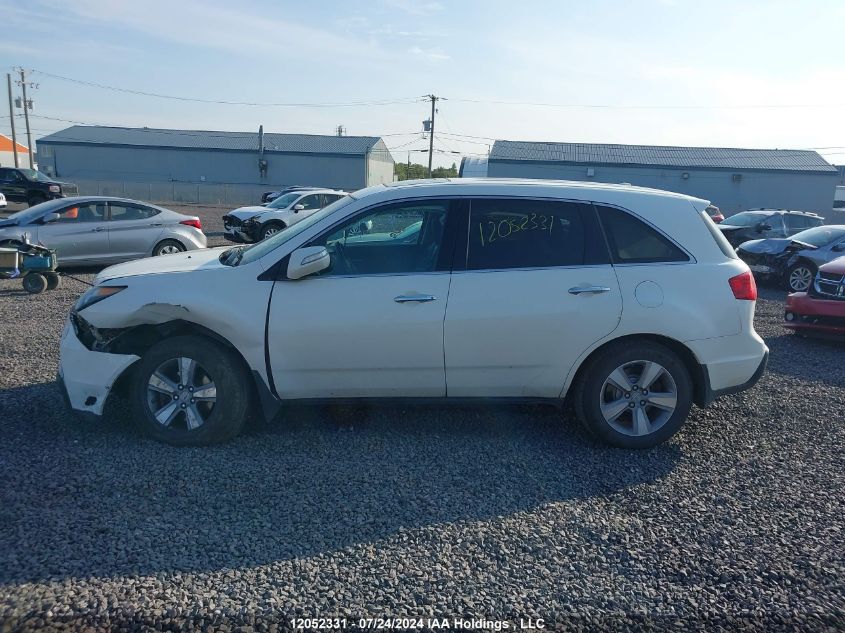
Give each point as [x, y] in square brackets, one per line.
[732, 179]
[210, 167]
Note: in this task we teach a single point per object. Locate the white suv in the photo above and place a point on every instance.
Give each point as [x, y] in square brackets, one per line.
[255, 223]
[628, 302]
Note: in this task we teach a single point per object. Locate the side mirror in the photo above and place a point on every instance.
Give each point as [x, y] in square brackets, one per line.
[763, 227]
[50, 217]
[307, 261]
[298, 207]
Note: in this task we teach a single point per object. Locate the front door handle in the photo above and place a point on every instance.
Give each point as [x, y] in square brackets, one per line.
[579, 290]
[98, 229]
[414, 298]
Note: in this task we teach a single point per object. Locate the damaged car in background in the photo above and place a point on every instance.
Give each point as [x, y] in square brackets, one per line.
[821, 310]
[794, 261]
[253, 224]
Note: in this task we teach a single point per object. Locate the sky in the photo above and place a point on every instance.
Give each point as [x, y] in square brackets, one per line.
[765, 74]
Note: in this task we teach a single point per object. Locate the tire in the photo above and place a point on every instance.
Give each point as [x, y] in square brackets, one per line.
[36, 198]
[53, 280]
[168, 247]
[155, 382]
[34, 283]
[594, 389]
[799, 277]
[271, 228]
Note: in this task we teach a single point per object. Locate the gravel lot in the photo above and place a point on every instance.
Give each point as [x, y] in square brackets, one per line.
[495, 512]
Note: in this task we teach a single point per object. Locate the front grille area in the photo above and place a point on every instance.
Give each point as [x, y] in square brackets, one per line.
[70, 190]
[230, 222]
[829, 286]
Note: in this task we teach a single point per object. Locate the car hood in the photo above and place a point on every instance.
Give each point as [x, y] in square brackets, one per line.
[244, 213]
[728, 227]
[837, 266]
[773, 246]
[189, 261]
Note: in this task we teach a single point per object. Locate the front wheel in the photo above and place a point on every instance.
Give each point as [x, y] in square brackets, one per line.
[634, 396]
[53, 280]
[36, 198]
[799, 277]
[190, 390]
[271, 228]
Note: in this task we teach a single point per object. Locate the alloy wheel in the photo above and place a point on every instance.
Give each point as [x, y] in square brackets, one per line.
[800, 279]
[169, 249]
[181, 394]
[638, 398]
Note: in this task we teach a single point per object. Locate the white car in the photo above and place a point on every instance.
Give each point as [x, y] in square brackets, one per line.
[255, 223]
[626, 301]
[2, 201]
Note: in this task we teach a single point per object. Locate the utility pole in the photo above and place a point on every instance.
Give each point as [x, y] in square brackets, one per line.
[431, 133]
[12, 121]
[27, 105]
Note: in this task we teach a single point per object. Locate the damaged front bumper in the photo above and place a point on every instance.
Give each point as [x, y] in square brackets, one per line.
[87, 377]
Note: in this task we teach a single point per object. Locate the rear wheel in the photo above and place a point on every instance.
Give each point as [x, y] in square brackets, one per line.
[34, 283]
[168, 247]
[635, 395]
[190, 390]
[271, 228]
[800, 276]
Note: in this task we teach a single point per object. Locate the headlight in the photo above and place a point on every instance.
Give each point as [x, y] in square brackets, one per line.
[55, 189]
[95, 294]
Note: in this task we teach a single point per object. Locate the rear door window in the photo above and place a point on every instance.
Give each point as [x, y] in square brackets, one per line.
[131, 212]
[510, 233]
[632, 241]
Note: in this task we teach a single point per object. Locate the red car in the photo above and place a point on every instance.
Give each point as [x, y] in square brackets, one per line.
[821, 310]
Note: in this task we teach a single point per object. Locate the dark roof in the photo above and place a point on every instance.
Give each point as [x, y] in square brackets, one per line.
[661, 156]
[198, 139]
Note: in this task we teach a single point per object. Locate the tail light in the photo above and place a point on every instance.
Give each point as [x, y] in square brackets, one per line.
[744, 287]
[194, 222]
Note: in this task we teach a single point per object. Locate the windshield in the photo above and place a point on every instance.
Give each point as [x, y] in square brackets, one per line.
[744, 219]
[260, 249]
[35, 175]
[27, 215]
[820, 235]
[282, 202]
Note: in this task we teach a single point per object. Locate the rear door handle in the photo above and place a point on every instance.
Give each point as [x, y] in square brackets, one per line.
[157, 224]
[414, 298]
[98, 229]
[579, 290]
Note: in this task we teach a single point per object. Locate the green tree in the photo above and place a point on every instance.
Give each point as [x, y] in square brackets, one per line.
[414, 171]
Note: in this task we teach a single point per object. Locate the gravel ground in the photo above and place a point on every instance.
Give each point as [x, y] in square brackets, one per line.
[493, 512]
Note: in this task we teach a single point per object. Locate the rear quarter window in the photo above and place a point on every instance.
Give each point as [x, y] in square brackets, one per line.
[721, 241]
[632, 241]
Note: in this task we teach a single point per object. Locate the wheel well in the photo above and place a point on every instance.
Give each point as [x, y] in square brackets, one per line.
[274, 223]
[169, 239]
[695, 369]
[139, 339]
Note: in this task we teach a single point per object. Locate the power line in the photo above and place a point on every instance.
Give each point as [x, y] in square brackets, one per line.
[349, 104]
[607, 106]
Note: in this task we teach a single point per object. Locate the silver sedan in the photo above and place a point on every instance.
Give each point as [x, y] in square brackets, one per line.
[90, 230]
